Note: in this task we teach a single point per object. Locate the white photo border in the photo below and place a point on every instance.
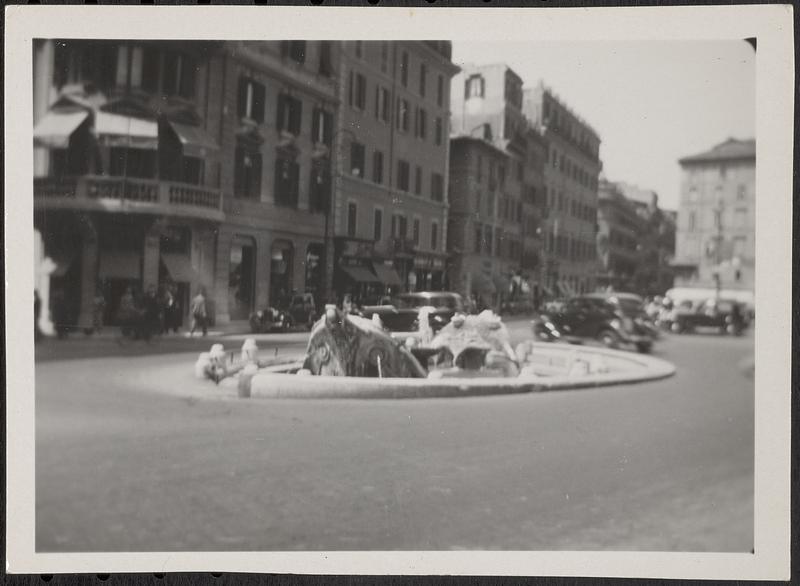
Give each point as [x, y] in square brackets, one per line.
[771, 25]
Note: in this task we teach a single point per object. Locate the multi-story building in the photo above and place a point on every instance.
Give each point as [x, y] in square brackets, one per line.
[485, 255]
[126, 171]
[619, 232]
[486, 103]
[279, 102]
[189, 165]
[715, 238]
[571, 185]
[390, 216]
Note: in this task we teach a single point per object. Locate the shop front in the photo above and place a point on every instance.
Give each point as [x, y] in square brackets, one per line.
[353, 273]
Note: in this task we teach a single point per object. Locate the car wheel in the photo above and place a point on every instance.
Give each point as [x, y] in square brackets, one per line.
[608, 338]
[644, 347]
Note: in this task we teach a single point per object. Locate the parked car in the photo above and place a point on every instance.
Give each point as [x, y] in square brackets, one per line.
[632, 306]
[270, 320]
[725, 315]
[402, 313]
[595, 316]
[302, 309]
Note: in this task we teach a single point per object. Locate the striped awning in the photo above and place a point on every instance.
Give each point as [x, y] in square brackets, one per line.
[116, 130]
[387, 275]
[54, 130]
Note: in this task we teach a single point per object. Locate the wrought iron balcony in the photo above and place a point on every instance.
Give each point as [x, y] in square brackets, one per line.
[151, 196]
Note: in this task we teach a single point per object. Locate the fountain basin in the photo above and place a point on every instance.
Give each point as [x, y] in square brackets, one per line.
[550, 369]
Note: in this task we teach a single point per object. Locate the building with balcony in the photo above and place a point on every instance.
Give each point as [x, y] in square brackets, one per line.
[389, 222]
[126, 159]
[715, 236]
[619, 234]
[486, 104]
[182, 165]
[571, 177]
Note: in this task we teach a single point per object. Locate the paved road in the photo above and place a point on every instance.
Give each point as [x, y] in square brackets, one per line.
[666, 465]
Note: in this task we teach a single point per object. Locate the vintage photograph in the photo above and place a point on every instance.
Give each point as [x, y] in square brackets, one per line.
[311, 294]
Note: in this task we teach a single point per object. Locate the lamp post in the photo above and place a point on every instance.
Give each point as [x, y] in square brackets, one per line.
[327, 262]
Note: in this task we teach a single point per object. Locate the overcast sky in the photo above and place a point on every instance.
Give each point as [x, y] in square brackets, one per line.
[651, 102]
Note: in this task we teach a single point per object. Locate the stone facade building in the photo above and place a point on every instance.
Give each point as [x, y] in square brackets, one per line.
[389, 223]
[571, 178]
[487, 106]
[181, 165]
[715, 238]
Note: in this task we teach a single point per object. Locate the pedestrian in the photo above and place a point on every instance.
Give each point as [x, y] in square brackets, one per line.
[199, 313]
[151, 313]
[170, 310]
[37, 311]
[98, 310]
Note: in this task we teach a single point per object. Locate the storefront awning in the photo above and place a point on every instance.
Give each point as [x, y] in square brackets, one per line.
[179, 267]
[360, 274]
[116, 130]
[387, 275]
[195, 141]
[53, 131]
[117, 264]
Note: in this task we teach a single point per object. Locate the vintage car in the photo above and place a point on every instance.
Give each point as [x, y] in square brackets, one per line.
[401, 314]
[612, 320]
[724, 315]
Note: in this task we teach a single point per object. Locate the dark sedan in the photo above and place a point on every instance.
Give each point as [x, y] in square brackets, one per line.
[595, 317]
[402, 313]
[723, 315]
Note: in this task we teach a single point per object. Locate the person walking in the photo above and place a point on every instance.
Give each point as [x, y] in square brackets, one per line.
[199, 313]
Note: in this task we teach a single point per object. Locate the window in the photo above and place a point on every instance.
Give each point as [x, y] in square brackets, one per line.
[377, 167]
[474, 87]
[294, 50]
[741, 192]
[490, 205]
[415, 231]
[520, 171]
[377, 225]
[384, 56]
[402, 115]
[403, 175]
[478, 238]
[247, 173]
[290, 113]
[418, 180]
[326, 58]
[125, 162]
[440, 91]
[251, 100]
[437, 187]
[739, 243]
[359, 48]
[360, 92]
[501, 176]
[519, 211]
[434, 236]
[150, 69]
[740, 218]
[479, 174]
[179, 75]
[439, 131]
[422, 124]
[357, 159]
[488, 240]
[478, 203]
[322, 127]
[423, 79]
[692, 221]
[129, 66]
[382, 104]
[352, 217]
[399, 226]
[287, 173]
[404, 69]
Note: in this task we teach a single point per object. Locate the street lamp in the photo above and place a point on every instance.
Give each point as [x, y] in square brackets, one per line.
[327, 263]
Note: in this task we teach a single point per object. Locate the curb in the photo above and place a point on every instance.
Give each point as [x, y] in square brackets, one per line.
[275, 384]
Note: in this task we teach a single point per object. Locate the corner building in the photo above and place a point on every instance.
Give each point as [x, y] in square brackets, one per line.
[715, 237]
[390, 217]
[571, 185]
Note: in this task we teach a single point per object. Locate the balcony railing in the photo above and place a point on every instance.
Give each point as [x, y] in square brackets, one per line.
[88, 189]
